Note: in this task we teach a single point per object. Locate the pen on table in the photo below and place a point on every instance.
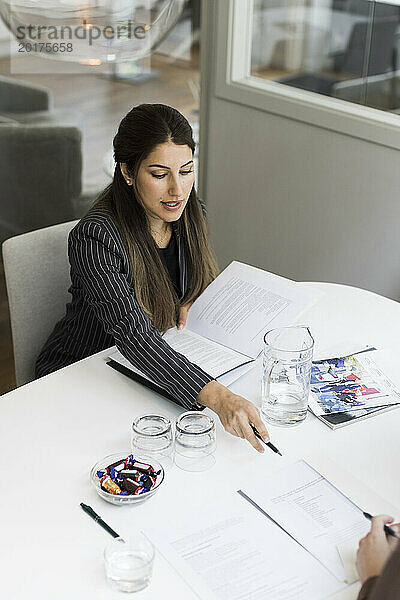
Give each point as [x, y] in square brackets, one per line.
[89, 510]
[273, 448]
[387, 529]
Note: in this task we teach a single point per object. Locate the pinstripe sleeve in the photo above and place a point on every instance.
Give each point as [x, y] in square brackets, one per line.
[96, 259]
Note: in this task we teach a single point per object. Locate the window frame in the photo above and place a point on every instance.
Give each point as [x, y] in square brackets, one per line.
[234, 83]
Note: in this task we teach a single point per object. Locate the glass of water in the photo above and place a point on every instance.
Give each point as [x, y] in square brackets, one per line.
[152, 437]
[195, 441]
[286, 375]
[129, 563]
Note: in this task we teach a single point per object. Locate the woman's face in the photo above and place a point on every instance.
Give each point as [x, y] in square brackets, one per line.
[165, 180]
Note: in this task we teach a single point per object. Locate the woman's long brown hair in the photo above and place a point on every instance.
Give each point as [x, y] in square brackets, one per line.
[141, 130]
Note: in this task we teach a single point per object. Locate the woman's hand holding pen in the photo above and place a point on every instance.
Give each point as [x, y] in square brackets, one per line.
[376, 548]
[236, 413]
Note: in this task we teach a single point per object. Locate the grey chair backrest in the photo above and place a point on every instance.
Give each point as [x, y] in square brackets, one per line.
[382, 46]
[40, 176]
[363, 7]
[19, 96]
[37, 278]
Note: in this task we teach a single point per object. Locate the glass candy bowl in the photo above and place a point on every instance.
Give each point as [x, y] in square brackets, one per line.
[130, 499]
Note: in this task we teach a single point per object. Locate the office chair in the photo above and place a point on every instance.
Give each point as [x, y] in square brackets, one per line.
[40, 177]
[22, 102]
[352, 61]
[37, 279]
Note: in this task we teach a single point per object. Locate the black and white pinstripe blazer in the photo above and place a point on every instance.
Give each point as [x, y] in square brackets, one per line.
[104, 311]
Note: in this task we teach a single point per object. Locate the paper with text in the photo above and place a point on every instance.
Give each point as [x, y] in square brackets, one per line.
[213, 358]
[237, 373]
[243, 303]
[312, 510]
[348, 555]
[230, 551]
[226, 379]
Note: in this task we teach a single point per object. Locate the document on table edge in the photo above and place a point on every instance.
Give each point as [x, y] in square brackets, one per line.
[308, 576]
[320, 544]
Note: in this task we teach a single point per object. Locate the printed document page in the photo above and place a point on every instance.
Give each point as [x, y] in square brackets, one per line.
[243, 303]
[213, 358]
[230, 551]
[312, 510]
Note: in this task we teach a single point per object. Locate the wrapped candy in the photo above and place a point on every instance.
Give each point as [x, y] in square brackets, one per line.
[109, 485]
[116, 466]
[127, 477]
[132, 487]
[133, 474]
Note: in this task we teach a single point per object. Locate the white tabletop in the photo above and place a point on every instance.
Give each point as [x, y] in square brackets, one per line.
[54, 429]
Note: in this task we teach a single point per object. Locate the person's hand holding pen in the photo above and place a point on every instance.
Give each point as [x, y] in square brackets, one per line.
[376, 548]
[236, 413]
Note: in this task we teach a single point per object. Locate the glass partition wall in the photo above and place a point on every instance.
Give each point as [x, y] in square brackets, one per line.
[346, 49]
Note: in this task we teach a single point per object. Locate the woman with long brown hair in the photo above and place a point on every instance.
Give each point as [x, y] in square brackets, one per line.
[139, 258]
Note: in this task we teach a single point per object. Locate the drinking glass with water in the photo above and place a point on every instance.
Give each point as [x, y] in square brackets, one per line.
[129, 563]
[286, 374]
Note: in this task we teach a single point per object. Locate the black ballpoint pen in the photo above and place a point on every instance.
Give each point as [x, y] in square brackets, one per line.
[89, 510]
[273, 448]
[386, 528]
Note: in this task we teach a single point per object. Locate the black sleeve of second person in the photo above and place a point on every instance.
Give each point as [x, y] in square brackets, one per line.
[95, 257]
[387, 585]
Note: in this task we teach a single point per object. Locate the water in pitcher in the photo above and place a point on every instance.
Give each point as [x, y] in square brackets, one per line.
[285, 405]
[286, 375]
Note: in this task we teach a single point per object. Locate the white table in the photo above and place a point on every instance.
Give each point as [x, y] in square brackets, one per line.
[54, 429]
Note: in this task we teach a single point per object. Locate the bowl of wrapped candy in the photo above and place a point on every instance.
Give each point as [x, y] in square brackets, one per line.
[121, 479]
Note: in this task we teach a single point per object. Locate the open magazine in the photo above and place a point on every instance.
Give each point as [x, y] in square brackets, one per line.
[350, 387]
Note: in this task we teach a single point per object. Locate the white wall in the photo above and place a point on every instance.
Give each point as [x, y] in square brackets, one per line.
[302, 201]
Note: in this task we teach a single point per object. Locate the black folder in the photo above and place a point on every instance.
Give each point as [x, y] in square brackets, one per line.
[139, 379]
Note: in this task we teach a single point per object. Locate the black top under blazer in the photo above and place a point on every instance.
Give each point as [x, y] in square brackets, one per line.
[104, 312]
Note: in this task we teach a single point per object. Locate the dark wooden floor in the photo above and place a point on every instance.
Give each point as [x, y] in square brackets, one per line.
[101, 102]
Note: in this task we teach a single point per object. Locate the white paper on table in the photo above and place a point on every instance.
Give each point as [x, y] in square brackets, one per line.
[214, 359]
[243, 303]
[234, 375]
[312, 510]
[348, 552]
[219, 362]
[386, 362]
[230, 551]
